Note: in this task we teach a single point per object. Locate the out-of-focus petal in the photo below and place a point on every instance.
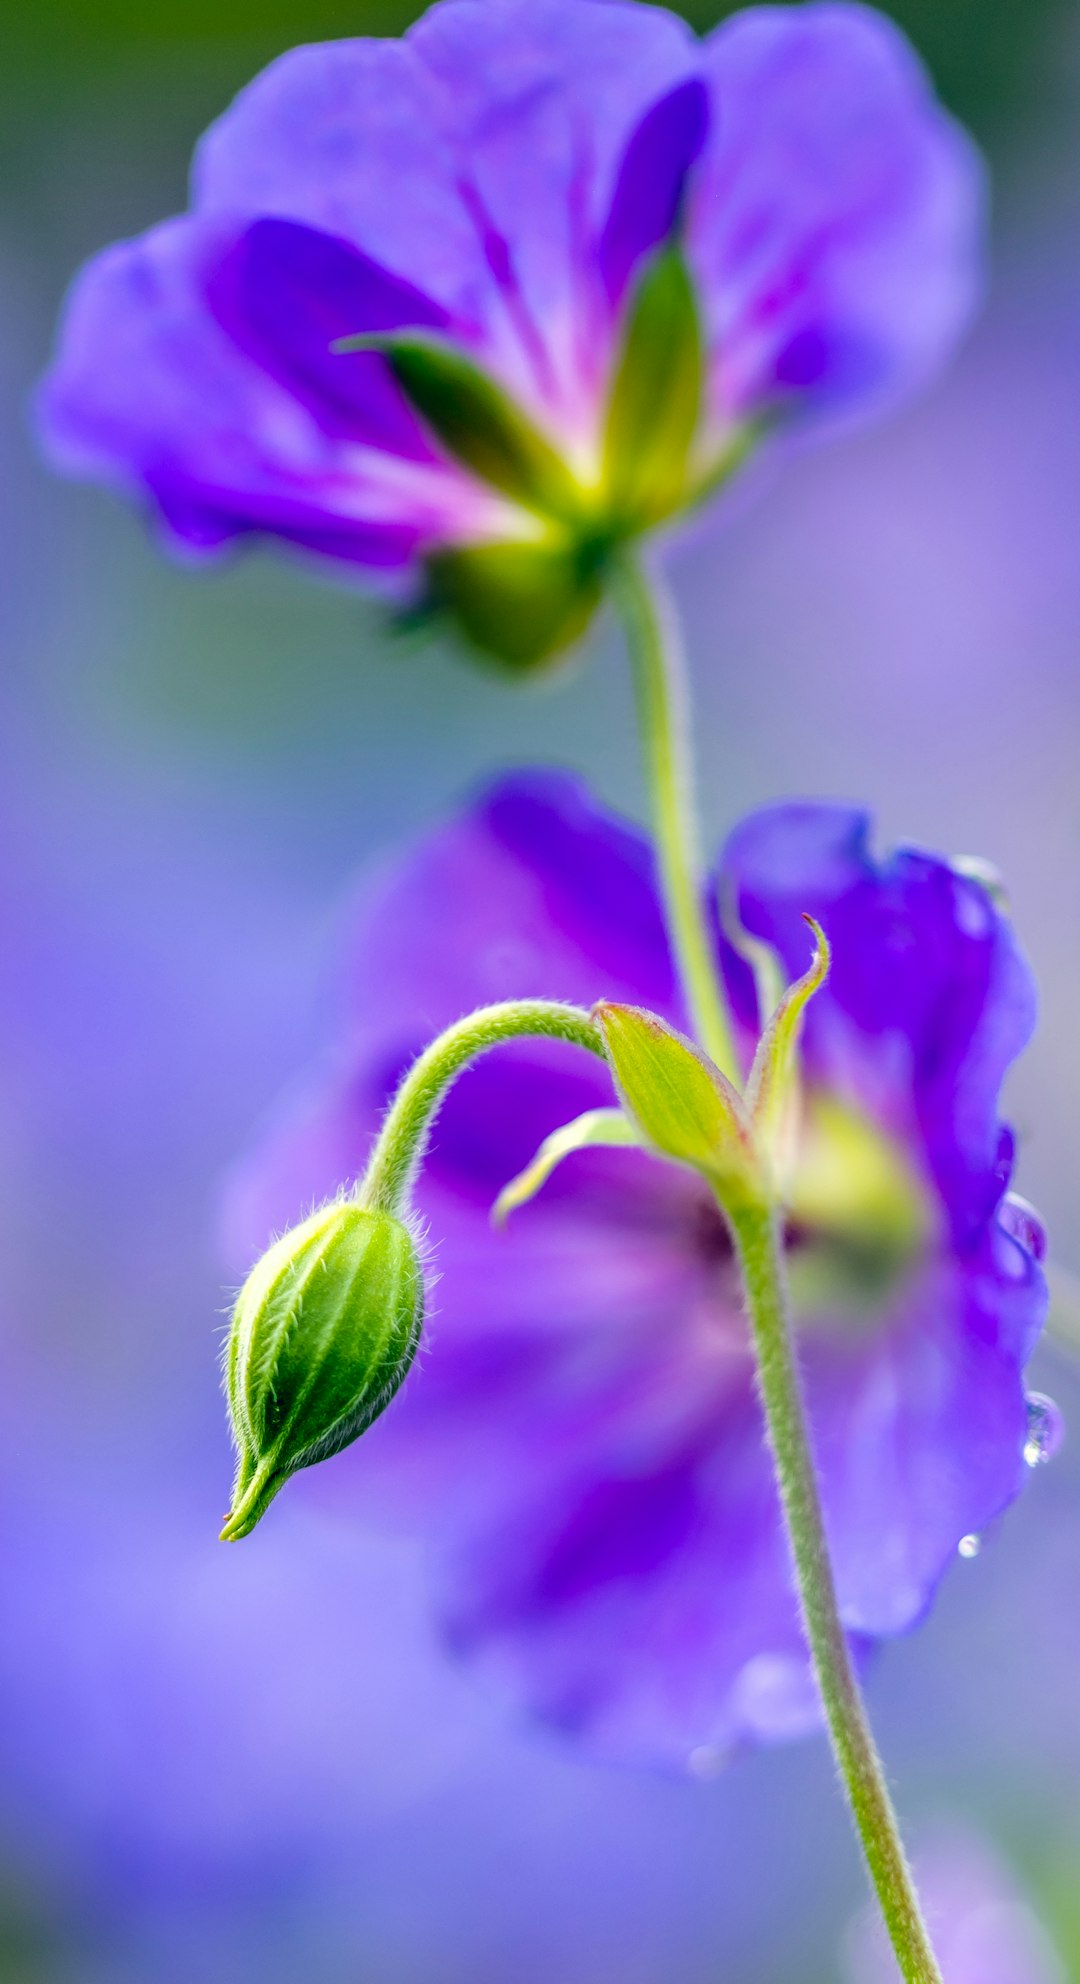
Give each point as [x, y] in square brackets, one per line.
[930, 998]
[652, 182]
[285, 293]
[984, 1928]
[476, 157]
[153, 394]
[919, 1423]
[837, 214]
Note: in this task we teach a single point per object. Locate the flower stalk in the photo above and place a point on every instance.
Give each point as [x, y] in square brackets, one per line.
[759, 1247]
[663, 715]
[401, 1142]
[663, 720]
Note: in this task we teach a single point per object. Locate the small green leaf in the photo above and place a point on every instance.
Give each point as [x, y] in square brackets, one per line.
[683, 1106]
[521, 603]
[656, 393]
[477, 422]
[772, 1092]
[597, 1129]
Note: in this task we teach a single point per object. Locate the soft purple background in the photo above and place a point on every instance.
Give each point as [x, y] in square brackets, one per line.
[253, 1765]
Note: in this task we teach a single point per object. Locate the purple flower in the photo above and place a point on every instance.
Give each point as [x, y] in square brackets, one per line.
[984, 1929]
[499, 180]
[582, 1438]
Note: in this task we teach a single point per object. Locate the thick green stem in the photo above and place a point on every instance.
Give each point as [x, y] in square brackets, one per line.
[403, 1138]
[659, 680]
[758, 1242]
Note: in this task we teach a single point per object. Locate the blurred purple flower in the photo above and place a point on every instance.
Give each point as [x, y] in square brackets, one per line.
[498, 177]
[984, 1929]
[583, 1437]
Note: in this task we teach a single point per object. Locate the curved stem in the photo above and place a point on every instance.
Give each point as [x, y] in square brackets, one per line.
[759, 1247]
[659, 681]
[403, 1138]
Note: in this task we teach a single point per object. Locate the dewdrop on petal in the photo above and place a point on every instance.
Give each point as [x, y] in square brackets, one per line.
[322, 1335]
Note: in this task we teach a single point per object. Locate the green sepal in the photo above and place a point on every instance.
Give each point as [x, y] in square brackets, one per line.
[655, 400]
[519, 602]
[597, 1129]
[738, 445]
[476, 421]
[323, 1333]
[772, 1091]
[765, 965]
[683, 1106]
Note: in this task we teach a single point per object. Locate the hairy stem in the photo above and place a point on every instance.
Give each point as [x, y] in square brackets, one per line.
[403, 1138]
[759, 1246]
[662, 705]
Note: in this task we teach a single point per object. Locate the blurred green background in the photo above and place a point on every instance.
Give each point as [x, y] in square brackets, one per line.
[989, 56]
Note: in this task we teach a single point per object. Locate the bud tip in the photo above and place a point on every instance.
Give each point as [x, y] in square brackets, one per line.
[251, 1499]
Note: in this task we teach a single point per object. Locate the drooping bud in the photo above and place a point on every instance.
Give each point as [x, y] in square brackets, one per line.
[323, 1332]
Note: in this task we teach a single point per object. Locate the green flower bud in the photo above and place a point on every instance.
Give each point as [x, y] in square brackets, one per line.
[323, 1332]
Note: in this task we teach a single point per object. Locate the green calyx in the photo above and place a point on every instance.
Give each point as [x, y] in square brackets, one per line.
[676, 1103]
[686, 1109]
[520, 603]
[477, 422]
[323, 1332]
[525, 597]
[682, 1106]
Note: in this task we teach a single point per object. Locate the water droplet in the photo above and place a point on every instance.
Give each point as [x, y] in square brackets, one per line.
[1005, 1155]
[1022, 1223]
[1045, 1429]
[969, 1546]
[705, 1762]
[974, 869]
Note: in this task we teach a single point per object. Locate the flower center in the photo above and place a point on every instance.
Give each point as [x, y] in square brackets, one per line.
[859, 1216]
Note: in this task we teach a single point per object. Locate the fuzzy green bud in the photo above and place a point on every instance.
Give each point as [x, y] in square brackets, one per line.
[323, 1332]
